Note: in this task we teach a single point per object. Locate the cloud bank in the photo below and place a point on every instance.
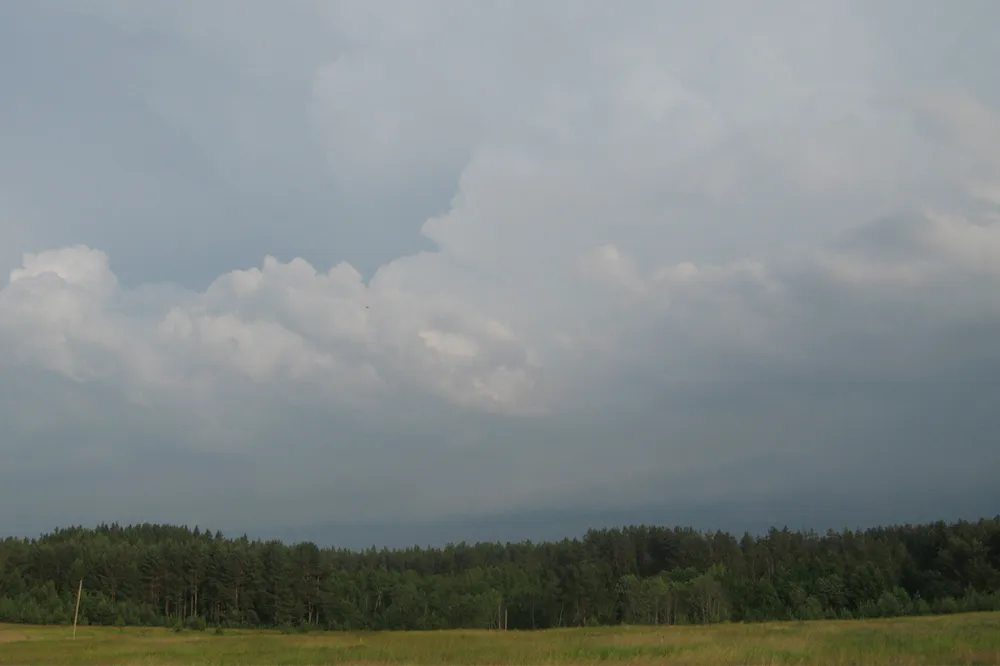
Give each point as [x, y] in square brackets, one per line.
[384, 263]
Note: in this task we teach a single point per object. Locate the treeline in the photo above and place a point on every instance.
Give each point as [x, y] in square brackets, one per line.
[174, 576]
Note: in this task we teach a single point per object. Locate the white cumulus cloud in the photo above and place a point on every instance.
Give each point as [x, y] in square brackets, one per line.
[666, 249]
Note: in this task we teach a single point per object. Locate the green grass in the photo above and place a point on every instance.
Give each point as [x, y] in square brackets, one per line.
[953, 639]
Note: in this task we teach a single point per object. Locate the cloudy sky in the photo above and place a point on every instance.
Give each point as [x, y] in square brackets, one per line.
[384, 272]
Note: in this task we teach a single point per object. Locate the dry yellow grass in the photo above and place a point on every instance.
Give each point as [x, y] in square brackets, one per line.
[956, 639]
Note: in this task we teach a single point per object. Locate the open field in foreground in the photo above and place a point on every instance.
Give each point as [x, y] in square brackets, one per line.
[954, 639]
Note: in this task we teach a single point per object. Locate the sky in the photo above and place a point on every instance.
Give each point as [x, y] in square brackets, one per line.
[384, 272]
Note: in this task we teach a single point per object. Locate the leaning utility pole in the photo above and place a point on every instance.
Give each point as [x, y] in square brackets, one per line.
[76, 615]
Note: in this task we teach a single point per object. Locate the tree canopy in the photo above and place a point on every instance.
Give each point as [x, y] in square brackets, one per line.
[167, 575]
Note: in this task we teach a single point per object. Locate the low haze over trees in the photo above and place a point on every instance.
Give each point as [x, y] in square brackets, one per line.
[165, 575]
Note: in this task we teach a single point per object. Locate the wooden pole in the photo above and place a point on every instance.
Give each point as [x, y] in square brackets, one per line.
[76, 615]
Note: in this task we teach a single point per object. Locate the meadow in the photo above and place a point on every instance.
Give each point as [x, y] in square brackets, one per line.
[972, 638]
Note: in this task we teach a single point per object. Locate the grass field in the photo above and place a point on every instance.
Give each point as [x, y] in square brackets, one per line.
[954, 639]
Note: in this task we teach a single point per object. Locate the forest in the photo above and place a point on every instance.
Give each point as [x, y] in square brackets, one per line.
[183, 578]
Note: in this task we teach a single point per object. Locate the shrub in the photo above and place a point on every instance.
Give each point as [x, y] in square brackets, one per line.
[889, 605]
[197, 623]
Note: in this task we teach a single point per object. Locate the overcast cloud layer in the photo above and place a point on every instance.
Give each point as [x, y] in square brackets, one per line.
[290, 267]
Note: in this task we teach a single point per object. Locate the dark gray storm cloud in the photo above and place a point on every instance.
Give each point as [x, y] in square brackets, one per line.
[362, 271]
